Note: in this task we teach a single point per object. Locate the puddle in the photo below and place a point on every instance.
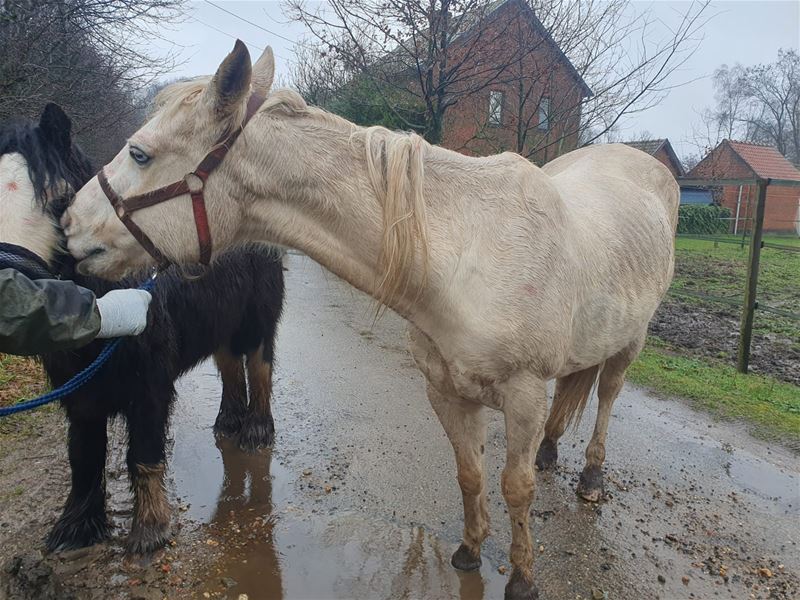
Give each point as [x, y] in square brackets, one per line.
[275, 543]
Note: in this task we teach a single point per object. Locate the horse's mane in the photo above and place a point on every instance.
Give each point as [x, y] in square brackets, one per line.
[395, 168]
[46, 164]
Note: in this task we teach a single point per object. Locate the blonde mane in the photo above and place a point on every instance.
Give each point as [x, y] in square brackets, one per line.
[396, 172]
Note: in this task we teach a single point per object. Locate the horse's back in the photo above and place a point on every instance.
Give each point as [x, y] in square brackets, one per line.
[594, 177]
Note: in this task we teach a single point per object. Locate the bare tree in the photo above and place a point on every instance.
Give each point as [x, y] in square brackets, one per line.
[446, 52]
[758, 104]
[615, 52]
[87, 55]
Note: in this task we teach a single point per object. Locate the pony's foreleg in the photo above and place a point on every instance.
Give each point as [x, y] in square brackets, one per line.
[147, 437]
[590, 485]
[525, 407]
[83, 521]
[465, 425]
[258, 428]
[234, 393]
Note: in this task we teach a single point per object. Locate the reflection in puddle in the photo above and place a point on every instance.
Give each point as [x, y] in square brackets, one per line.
[276, 544]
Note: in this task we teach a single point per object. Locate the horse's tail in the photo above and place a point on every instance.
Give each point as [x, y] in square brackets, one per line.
[572, 395]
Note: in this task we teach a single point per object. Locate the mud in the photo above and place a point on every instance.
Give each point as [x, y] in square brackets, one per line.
[714, 332]
[358, 497]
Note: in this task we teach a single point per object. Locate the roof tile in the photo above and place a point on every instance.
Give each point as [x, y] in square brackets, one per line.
[766, 161]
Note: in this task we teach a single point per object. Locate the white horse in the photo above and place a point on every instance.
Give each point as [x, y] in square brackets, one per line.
[508, 274]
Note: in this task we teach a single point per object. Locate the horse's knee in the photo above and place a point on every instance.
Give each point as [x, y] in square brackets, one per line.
[470, 479]
[518, 486]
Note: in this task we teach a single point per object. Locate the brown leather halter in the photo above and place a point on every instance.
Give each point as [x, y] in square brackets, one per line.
[193, 183]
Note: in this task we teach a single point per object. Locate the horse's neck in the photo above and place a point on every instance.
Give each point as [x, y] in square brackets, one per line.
[322, 203]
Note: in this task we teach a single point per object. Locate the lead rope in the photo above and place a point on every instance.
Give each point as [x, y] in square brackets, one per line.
[81, 378]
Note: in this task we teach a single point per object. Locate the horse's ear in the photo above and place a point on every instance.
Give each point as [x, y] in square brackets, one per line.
[264, 72]
[56, 126]
[231, 83]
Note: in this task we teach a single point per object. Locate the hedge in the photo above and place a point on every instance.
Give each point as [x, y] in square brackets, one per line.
[700, 219]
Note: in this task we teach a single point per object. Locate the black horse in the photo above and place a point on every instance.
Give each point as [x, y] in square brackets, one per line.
[230, 311]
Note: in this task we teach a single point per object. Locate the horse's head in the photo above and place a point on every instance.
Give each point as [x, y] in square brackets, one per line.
[187, 120]
[40, 169]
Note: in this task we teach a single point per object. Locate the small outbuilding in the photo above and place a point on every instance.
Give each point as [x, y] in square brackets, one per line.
[742, 160]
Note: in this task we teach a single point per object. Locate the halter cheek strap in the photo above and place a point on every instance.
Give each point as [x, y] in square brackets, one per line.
[193, 184]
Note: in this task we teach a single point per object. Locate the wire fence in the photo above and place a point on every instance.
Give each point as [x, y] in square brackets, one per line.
[748, 226]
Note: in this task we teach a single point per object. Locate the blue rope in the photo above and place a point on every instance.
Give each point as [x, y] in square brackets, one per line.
[78, 380]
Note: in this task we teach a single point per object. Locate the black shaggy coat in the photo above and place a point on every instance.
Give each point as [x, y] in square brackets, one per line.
[230, 310]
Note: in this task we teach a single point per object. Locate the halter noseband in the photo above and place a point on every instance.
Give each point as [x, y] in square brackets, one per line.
[193, 184]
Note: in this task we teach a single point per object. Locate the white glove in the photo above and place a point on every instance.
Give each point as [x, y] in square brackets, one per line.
[123, 312]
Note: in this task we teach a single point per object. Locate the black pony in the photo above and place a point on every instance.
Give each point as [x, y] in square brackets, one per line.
[230, 311]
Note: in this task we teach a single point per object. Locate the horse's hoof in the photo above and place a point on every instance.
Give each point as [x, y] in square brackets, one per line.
[519, 588]
[465, 560]
[590, 485]
[228, 423]
[70, 534]
[147, 539]
[547, 455]
[257, 432]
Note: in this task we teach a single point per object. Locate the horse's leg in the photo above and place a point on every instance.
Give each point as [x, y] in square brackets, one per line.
[547, 455]
[147, 438]
[612, 376]
[258, 429]
[465, 425]
[83, 521]
[525, 408]
[234, 393]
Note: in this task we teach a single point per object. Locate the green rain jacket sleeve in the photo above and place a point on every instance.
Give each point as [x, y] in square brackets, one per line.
[44, 315]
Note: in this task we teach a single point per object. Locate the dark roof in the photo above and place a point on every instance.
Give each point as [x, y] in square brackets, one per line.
[765, 161]
[494, 11]
[653, 146]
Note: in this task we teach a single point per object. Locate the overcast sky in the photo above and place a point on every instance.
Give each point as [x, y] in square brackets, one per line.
[748, 32]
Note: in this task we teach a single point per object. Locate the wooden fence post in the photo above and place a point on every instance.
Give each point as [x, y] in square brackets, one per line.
[746, 329]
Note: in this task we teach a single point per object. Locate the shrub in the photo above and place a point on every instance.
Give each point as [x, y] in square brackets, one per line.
[699, 219]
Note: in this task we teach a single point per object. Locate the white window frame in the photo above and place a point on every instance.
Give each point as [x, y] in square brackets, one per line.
[544, 114]
[496, 98]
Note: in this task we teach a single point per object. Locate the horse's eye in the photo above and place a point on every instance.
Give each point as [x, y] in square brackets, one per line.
[139, 156]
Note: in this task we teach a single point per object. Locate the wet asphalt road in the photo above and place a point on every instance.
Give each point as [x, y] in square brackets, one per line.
[358, 498]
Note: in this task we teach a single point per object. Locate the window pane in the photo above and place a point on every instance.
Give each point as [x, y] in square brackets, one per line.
[495, 108]
[544, 113]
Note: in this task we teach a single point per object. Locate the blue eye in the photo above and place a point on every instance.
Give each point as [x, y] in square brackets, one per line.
[139, 156]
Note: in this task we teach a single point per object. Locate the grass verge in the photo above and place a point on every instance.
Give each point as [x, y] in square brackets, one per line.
[21, 378]
[773, 406]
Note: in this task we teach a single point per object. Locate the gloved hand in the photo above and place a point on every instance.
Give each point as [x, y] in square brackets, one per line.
[123, 312]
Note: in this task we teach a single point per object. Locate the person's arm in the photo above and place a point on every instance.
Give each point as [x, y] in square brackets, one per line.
[44, 315]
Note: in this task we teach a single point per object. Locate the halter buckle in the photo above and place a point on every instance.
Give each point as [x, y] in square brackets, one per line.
[194, 182]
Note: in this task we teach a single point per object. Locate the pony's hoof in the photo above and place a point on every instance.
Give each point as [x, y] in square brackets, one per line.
[228, 423]
[257, 432]
[520, 588]
[465, 560]
[590, 485]
[547, 455]
[147, 539]
[70, 534]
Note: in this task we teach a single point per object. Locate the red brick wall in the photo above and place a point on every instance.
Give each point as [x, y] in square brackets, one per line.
[664, 158]
[780, 212]
[466, 128]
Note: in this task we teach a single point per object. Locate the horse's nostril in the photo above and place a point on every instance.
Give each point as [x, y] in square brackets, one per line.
[65, 220]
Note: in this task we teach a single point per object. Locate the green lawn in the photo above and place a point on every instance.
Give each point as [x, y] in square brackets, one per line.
[719, 269]
[773, 406]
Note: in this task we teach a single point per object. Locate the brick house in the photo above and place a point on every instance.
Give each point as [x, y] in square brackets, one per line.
[533, 94]
[662, 151]
[740, 160]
